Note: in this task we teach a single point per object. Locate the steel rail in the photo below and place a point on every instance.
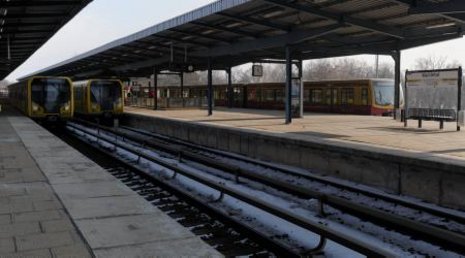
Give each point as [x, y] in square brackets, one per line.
[320, 179]
[340, 237]
[443, 236]
[274, 246]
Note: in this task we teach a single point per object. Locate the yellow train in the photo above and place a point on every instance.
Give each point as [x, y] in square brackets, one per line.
[99, 97]
[362, 96]
[44, 98]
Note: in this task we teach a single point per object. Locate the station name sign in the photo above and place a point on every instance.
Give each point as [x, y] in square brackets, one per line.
[433, 95]
[446, 78]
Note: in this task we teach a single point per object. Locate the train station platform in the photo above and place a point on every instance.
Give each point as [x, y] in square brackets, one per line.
[375, 131]
[426, 163]
[54, 202]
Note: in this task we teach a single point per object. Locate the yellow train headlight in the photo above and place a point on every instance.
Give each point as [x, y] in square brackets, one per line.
[118, 103]
[35, 107]
[95, 107]
[67, 106]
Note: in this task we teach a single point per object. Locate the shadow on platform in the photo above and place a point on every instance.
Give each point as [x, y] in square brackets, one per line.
[408, 129]
[448, 151]
[238, 119]
[319, 135]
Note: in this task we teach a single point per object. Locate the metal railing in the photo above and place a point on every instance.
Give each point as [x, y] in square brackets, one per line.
[201, 102]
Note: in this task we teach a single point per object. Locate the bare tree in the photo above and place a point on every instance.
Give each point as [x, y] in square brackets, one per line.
[345, 68]
[385, 70]
[432, 62]
[4, 84]
[320, 69]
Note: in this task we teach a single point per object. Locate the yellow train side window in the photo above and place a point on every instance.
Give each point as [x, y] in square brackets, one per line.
[347, 96]
[335, 97]
[316, 96]
[364, 96]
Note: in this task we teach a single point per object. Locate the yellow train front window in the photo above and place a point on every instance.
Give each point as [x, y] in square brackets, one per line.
[50, 94]
[383, 92]
[105, 94]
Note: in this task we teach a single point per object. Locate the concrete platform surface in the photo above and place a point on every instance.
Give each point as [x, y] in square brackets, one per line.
[382, 132]
[54, 202]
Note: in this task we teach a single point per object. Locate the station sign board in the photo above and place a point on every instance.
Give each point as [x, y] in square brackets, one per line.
[433, 79]
[135, 88]
[433, 95]
[257, 70]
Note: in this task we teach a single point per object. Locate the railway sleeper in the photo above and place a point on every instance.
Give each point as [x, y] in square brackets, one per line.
[166, 205]
[153, 196]
[222, 239]
[178, 215]
[238, 249]
[134, 183]
[190, 222]
[145, 189]
[163, 197]
[207, 229]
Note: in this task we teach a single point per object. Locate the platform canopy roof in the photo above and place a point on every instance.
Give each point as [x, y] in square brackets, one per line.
[25, 25]
[234, 32]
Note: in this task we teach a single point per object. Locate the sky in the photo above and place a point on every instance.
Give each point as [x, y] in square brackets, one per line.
[103, 21]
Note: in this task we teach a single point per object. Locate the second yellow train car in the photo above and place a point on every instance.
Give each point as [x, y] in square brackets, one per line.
[99, 97]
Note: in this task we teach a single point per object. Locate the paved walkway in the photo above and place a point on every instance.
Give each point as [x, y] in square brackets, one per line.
[381, 132]
[33, 221]
[54, 202]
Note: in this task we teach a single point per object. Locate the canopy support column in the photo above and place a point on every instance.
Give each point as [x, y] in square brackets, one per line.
[288, 91]
[300, 66]
[230, 88]
[210, 87]
[155, 89]
[397, 83]
[181, 77]
[8, 47]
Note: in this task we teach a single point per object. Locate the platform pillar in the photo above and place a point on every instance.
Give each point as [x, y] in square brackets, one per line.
[148, 95]
[210, 87]
[397, 58]
[300, 76]
[288, 101]
[181, 77]
[230, 88]
[155, 89]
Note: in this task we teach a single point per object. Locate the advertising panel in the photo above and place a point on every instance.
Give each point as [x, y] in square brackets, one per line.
[297, 98]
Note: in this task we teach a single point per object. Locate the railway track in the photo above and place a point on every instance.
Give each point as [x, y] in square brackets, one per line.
[246, 171]
[224, 234]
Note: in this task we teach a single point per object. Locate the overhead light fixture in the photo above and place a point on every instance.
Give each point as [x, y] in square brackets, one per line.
[437, 26]
[272, 14]
[234, 24]
[319, 1]
[208, 32]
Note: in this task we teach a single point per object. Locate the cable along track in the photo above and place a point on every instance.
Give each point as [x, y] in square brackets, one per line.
[328, 205]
